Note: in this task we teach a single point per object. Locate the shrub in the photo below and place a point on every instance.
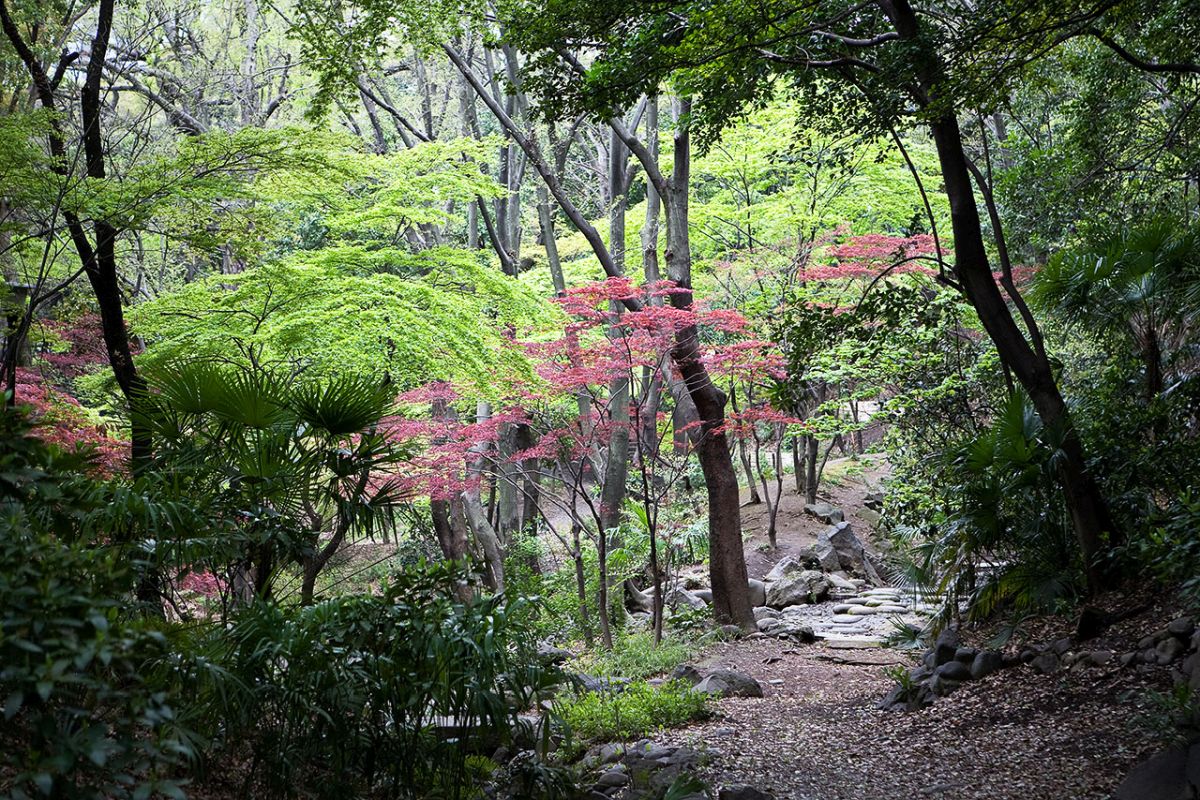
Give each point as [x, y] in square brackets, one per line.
[80, 718]
[634, 655]
[385, 695]
[636, 711]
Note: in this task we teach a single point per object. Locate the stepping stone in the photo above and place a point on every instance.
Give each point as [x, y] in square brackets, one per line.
[851, 619]
[842, 608]
[881, 591]
[886, 609]
[853, 642]
[874, 601]
[862, 610]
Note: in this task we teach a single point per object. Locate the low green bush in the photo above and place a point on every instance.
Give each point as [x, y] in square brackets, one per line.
[636, 711]
[634, 655]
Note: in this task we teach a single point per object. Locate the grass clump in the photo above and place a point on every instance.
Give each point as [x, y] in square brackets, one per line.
[637, 711]
[635, 656]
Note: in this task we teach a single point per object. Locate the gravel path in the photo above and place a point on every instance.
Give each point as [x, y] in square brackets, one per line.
[817, 735]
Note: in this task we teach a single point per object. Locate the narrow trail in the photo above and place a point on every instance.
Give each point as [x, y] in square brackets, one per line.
[817, 735]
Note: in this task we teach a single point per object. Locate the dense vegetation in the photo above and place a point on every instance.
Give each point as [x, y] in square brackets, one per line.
[355, 353]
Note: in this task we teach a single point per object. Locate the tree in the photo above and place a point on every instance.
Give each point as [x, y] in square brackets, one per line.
[886, 66]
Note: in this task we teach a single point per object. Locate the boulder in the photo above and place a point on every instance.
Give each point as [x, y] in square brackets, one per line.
[768, 624]
[839, 581]
[588, 683]
[758, 593]
[825, 512]
[549, 655]
[682, 598]
[786, 566]
[637, 600]
[965, 654]
[870, 516]
[986, 662]
[1173, 774]
[1169, 649]
[954, 671]
[1181, 627]
[729, 683]
[851, 556]
[705, 595]
[687, 673]
[946, 647]
[1045, 664]
[808, 586]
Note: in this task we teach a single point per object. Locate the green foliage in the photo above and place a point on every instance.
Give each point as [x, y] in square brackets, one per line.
[384, 695]
[80, 720]
[1003, 537]
[635, 655]
[436, 315]
[287, 458]
[637, 710]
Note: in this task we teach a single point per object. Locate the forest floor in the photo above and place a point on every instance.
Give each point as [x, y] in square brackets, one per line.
[817, 734]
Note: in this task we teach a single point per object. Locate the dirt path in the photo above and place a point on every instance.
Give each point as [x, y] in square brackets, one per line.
[817, 735]
[845, 484]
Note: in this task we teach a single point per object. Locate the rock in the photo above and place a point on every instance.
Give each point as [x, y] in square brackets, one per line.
[614, 777]
[1173, 774]
[965, 654]
[839, 581]
[762, 612]
[1168, 650]
[1181, 627]
[862, 611]
[1045, 664]
[786, 566]
[1098, 658]
[945, 647]
[686, 672]
[870, 516]
[728, 683]
[808, 586]
[768, 624]
[758, 593]
[943, 686]
[1147, 642]
[587, 683]
[740, 791]
[825, 512]
[825, 555]
[954, 671]
[682, 598]
[801, 633]
[1195, 643]
[1060, 646]
[873, 500]
[986, 662]
[849, 549]
[637, 600]
[1128, 658]
[550, 655]
[705, 595]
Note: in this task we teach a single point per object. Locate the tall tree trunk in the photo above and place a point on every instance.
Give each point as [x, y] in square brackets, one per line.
[727, 560]
[1085, 503]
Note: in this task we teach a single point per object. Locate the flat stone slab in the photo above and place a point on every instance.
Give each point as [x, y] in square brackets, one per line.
[892, 609]
[853, 642]
[852, 619]
[842, 608]
[862, 611]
